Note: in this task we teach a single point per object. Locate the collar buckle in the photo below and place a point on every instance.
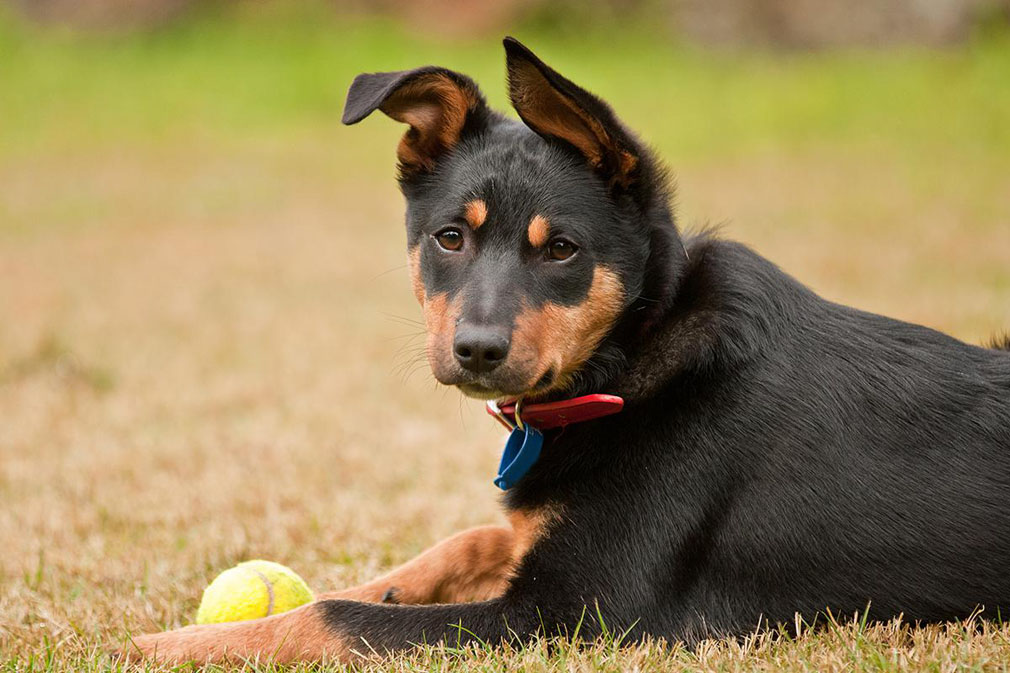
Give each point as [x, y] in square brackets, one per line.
[526, 423]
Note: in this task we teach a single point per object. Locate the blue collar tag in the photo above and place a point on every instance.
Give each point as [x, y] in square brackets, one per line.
[521, 451]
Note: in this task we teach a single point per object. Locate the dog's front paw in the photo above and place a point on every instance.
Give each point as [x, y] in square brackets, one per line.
[302, 634]
[198, 644]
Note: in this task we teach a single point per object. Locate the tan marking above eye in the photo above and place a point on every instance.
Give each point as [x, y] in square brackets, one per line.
[539, 231]
[475, 213]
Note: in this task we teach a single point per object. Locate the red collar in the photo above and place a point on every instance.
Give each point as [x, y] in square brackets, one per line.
[550, 415]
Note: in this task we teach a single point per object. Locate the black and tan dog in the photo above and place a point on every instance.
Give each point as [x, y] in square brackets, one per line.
[777, 453]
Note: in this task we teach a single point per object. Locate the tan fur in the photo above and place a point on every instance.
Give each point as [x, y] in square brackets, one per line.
[556, 115]
[627, 163]
[298, 635]
[475, 213]
[553, 113]
[530, 527]
[539, 231]
[474, 565]
[416, 284]
[436, 108]
[468, 566]
[440, 316]
[563, 337]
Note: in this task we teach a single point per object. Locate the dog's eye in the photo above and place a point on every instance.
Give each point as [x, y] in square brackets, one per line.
[450, 239]
[559, 249]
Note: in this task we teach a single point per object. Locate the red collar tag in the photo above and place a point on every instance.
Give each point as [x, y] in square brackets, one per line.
[550, 415]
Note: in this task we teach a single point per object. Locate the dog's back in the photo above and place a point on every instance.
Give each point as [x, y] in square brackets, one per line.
[879, 463]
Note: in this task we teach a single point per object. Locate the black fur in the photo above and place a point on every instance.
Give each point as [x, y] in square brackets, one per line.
[778, 453]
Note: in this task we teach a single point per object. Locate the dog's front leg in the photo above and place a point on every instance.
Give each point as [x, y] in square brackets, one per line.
[474, 565]
[338, 630]
[469, 566]
[300, 634]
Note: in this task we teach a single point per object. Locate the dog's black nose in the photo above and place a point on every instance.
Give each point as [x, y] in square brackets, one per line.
[480, 348]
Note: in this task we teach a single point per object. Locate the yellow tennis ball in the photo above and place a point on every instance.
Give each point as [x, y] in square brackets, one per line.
[252, 590]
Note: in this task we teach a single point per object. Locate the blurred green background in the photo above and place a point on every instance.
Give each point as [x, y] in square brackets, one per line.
[227, 71]
[269, 77]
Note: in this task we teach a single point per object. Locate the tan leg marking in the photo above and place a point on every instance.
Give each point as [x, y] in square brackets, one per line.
[539, 231]
[562, 338]
[298, 635]
[475, 213]
[474, 565]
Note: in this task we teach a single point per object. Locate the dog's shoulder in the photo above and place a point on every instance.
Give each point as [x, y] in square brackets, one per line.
[737, 310]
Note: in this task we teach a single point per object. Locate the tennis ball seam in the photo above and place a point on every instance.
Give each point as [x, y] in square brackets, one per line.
[270, 590]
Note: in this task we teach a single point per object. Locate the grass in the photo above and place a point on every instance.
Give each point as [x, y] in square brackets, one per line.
[207, 337]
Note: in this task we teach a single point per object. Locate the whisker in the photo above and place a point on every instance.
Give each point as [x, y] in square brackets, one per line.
[389, 271]
[404, 320]
[413, 335]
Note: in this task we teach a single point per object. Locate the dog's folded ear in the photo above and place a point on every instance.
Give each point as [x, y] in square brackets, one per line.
[437, 103]
[555, 107]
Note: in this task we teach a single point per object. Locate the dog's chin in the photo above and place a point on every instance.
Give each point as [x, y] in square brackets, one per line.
[479, 392]
[482, 392]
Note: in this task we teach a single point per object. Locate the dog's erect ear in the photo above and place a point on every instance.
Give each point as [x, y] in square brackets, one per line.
[555, 107]
[437, 103]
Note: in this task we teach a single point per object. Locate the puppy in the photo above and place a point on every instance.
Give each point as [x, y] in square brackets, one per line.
[775, 454]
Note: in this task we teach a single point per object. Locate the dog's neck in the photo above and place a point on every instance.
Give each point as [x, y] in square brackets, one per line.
[708, 320]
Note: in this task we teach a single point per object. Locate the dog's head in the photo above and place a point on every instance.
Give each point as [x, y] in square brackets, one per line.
[527, 242]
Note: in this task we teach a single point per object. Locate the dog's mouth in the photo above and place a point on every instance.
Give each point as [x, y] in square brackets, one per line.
[481, 390]
[516, 377]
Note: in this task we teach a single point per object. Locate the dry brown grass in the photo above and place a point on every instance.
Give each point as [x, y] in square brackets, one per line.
[208, 353]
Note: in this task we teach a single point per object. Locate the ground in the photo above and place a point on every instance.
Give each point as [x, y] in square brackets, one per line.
[209, 347]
